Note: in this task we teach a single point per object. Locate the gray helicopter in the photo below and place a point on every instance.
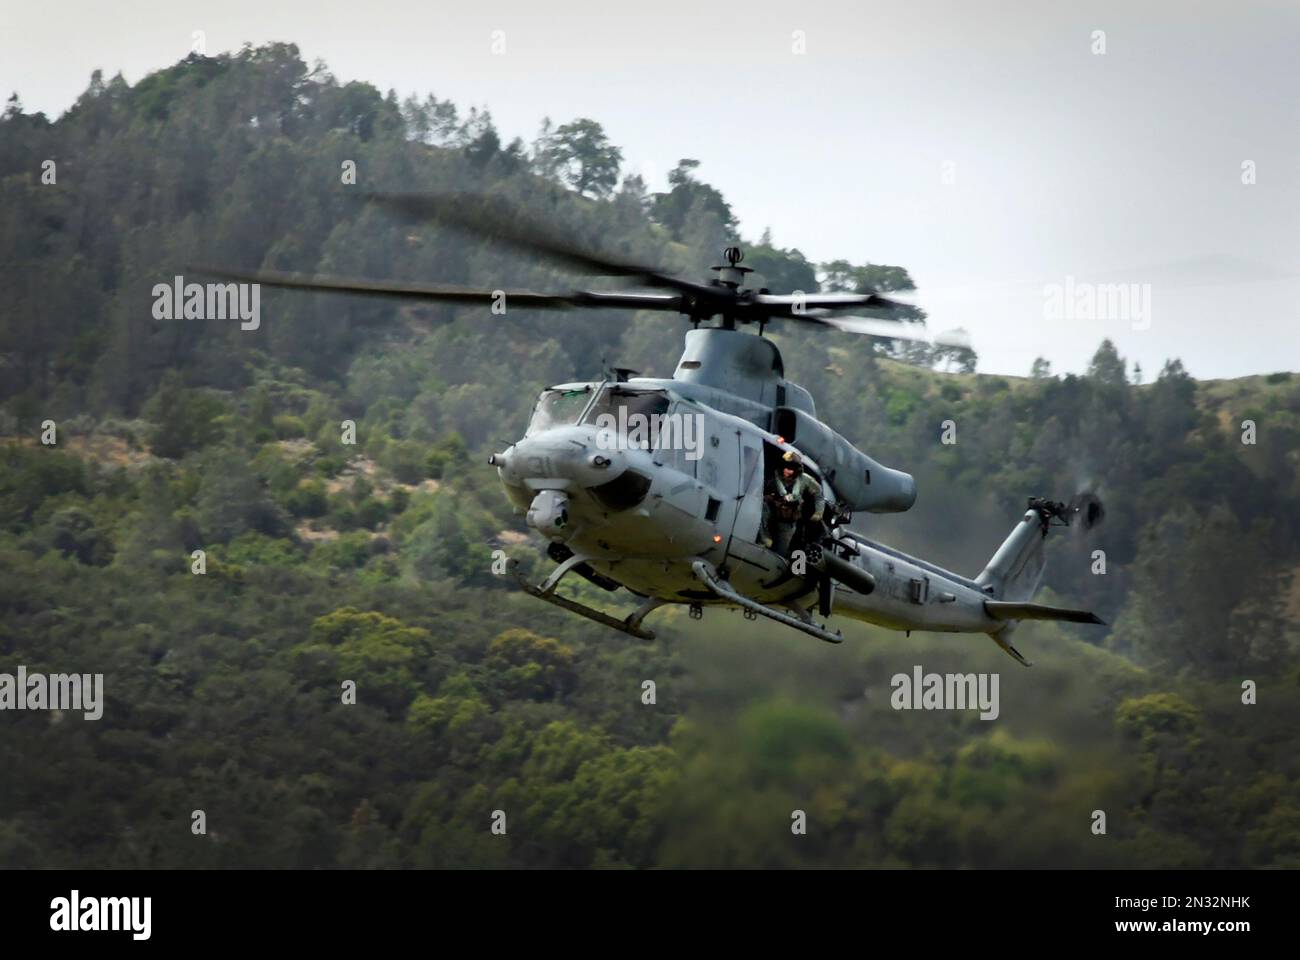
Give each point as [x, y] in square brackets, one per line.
[672, 488]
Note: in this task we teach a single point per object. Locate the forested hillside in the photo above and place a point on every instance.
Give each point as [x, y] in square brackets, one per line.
[372, 562]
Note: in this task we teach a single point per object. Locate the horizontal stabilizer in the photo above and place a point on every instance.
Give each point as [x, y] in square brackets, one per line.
[1004, 610]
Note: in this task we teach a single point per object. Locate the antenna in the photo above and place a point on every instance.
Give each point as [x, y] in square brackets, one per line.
[731, 275]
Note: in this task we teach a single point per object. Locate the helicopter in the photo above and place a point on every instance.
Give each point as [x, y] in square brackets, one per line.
[663, 487]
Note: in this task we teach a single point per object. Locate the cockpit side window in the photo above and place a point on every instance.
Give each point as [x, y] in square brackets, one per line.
[556, 408]
[637, 414]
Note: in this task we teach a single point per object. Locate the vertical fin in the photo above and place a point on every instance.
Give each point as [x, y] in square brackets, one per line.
[1016, 569]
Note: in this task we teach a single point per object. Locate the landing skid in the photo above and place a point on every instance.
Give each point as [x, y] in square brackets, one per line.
[631, 625]
[708, 576]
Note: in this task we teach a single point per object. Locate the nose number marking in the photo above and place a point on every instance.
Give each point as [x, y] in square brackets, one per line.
[540, 466]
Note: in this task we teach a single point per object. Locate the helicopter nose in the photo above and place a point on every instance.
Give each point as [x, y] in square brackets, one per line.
[563, 460]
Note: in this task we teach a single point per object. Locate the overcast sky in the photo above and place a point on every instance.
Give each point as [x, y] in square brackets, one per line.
[983, 144]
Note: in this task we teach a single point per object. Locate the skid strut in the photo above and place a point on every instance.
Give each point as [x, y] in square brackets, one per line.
[631, 625]
[708, 576]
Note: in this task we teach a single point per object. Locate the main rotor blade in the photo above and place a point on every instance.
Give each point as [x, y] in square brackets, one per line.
[786, 304]
[892, 330]
[499, 220]
[449, 294]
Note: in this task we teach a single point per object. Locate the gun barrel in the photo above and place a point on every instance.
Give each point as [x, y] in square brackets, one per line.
[837, 568]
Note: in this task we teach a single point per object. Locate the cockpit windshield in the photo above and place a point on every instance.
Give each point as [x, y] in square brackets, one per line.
[556, 408]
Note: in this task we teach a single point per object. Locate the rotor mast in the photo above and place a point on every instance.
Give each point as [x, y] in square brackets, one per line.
[731, 276]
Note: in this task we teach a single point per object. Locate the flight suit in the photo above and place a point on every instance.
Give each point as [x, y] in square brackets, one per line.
[781, 518]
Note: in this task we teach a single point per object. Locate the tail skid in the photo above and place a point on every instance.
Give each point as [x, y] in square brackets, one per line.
[1000, 638]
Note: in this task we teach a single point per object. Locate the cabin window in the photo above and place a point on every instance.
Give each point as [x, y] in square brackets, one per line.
[711, 511]
[920, 589]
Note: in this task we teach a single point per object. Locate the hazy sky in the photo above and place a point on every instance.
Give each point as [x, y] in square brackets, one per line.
[983, 145]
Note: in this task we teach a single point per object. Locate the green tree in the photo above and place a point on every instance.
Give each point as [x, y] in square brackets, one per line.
[580, 154]
[685, 195]
[1107, 366]
[381, 654]
[185, 419]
